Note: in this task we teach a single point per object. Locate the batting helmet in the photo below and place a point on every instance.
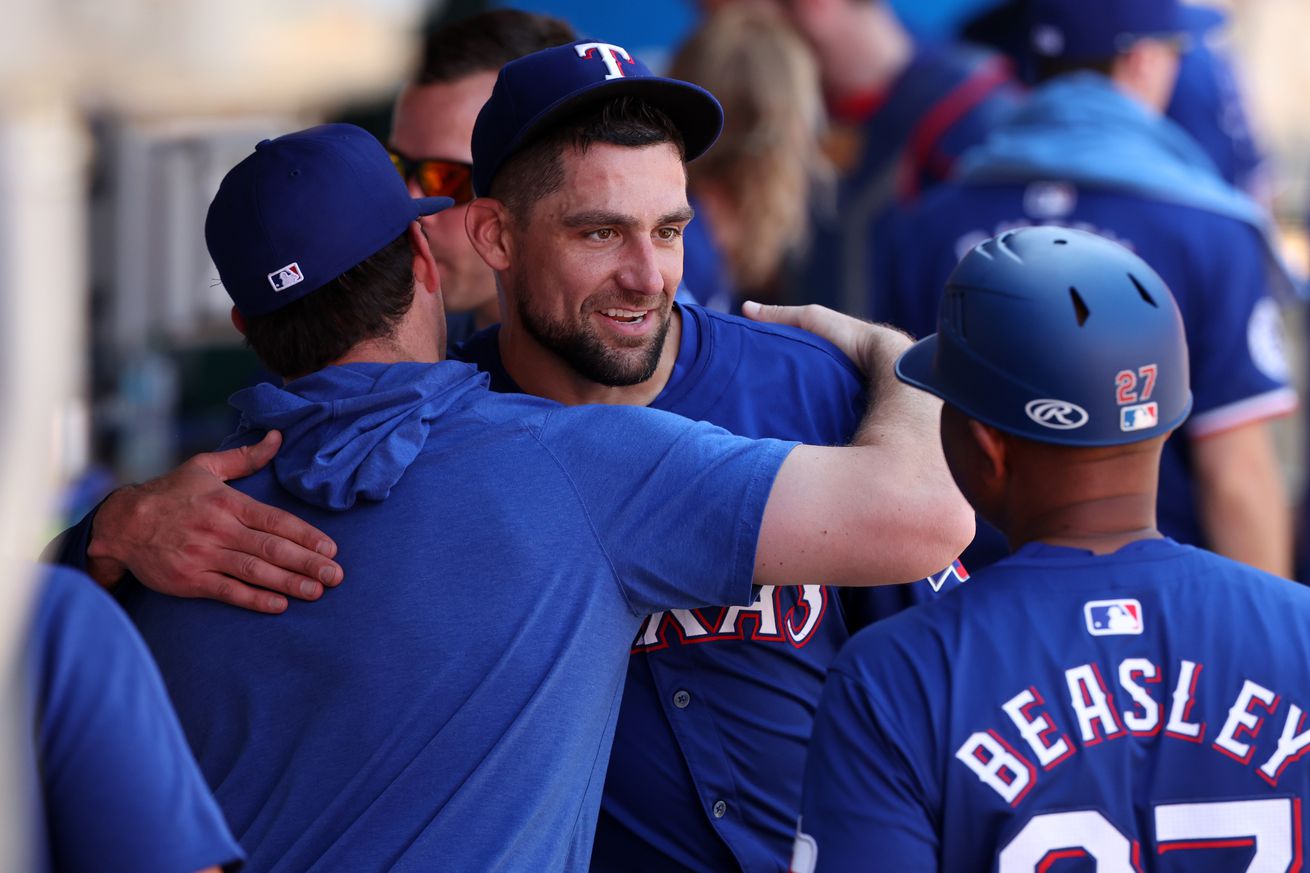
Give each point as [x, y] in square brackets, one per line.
[1059, 336]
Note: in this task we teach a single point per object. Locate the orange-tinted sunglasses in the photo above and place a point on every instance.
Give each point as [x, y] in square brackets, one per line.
[436, 177]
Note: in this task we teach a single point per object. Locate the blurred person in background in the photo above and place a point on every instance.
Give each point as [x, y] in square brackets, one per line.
[902, 115]
[116, 787]
[1091, 149]
[1208, 103]
[751, 192]
[429, 143]
[1207, 100]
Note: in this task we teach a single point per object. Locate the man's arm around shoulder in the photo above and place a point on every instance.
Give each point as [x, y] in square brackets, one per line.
[883, 510]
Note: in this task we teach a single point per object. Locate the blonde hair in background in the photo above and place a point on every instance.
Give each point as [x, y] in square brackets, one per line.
[767, 161]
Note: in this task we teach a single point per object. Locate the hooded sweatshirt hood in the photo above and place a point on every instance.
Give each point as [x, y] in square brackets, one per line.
[352, 431]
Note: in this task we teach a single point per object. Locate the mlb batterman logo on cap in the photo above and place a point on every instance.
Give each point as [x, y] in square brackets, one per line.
[536, 89]
[303, 209]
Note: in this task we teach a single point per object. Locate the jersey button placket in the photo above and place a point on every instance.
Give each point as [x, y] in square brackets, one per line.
[681, 698]
[720, 809]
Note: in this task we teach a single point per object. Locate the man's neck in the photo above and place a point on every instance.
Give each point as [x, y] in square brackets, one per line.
[420, 336]
[538, 370]
[1100, 526]
[1102, 503]
[1101, 500]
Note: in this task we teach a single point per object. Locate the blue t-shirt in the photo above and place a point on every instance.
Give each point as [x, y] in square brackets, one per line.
[1144, 710]
[1214, 265]
[451, 705]
[706, 765]
[947, 100]
[121, 792]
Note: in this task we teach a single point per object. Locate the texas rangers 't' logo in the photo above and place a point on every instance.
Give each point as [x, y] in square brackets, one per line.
[610, 54]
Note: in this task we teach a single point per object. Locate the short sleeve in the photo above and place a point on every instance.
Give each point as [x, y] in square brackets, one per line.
[861, 807]
[675, 504]
[1239, 365]
[122, 790]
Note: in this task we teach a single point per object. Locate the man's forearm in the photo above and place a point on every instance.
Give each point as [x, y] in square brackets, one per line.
[896, 410]
[1241, 500]
[885, 509]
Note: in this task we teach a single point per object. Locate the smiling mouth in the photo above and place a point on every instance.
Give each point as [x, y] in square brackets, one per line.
[626, 316]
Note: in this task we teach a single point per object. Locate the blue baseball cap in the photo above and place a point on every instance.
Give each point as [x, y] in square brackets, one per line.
[536, 89]
[303, 209]
[1080, 29]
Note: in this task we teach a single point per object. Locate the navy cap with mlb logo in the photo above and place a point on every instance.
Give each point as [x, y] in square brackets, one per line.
[536, 89]
[303, 209]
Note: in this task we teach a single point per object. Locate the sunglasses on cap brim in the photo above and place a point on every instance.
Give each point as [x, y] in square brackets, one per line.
[436, 177]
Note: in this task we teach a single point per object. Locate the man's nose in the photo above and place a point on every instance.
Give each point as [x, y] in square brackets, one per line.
[641, 268]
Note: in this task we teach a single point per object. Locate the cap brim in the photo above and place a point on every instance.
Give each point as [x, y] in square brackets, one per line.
[693, 110]
[432, 205]
[915, 365]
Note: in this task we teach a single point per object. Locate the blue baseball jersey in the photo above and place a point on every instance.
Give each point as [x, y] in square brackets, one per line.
[119, 789]
[1145, 710]
[451, 705]
[705, 770]
[907, 141]
[1214, 265]
[1207, 103]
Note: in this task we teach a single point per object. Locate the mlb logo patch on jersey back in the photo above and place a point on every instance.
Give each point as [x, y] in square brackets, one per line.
[1113, 617]
[1143, 416]
[286, 277]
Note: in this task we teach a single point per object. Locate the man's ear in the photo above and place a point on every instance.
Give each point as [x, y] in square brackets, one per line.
[487, 223]
[425, 266]
[994, 448]
[238, 321]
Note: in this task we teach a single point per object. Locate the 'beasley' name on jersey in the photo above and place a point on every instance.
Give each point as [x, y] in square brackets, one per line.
[1012, 773]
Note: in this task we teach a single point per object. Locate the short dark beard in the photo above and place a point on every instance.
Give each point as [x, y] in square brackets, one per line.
[587, 355]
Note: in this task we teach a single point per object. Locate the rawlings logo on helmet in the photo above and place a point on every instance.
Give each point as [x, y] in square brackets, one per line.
[1056, 414]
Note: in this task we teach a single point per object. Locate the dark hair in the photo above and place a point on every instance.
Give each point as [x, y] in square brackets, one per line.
[537, 171]
[365, 302]
[486, 42]
[1049, 68]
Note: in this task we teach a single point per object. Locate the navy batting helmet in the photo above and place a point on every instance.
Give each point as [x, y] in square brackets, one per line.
[1059, 336]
